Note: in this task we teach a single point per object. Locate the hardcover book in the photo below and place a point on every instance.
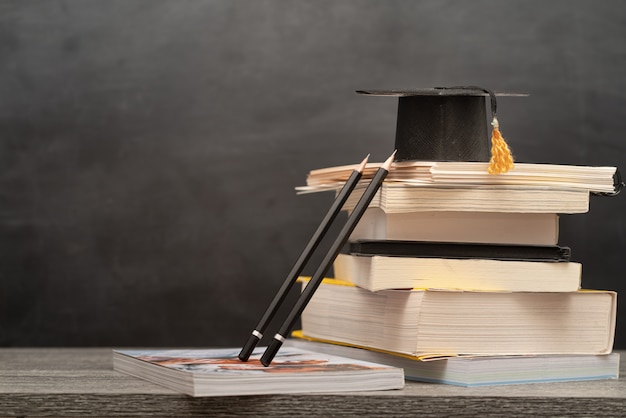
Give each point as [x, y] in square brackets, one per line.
[461, 250]
[218, 372]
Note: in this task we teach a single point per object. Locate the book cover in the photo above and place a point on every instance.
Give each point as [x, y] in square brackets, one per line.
[421, 322]
[476, 370]
[218, 372]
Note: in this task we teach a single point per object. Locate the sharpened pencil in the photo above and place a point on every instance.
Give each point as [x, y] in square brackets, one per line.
[332, 253]
[293, 275]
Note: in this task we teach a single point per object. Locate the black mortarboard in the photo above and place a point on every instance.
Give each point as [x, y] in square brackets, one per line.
[448, 124]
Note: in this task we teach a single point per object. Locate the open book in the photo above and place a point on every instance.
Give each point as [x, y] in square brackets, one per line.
[588, 178]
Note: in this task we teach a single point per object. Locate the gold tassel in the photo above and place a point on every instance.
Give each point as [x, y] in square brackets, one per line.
[501, 158]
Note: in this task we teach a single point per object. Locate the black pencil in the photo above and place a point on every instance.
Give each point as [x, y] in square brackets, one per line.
[341, 198]
[319, 274]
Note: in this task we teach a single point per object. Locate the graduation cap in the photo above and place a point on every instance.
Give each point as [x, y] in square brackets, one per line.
[449, 124]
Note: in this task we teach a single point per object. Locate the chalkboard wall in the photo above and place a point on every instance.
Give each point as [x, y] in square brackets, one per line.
[149, 149]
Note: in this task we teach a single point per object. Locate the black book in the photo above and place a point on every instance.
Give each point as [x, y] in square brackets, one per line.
[460, 250]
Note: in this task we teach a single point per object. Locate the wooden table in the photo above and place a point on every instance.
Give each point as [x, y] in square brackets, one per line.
[79, 381]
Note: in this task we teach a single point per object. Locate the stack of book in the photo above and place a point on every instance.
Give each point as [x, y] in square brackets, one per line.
[458, 277]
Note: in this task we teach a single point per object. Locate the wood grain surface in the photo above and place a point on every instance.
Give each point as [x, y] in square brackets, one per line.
[82, 382]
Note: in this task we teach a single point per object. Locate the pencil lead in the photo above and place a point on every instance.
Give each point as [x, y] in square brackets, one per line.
[387, 164]
[361, 166]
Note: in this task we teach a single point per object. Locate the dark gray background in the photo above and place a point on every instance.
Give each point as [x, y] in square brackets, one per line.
[150, 149]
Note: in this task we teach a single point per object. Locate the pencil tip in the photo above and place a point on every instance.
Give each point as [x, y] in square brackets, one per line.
[361, 166]
[387, 164]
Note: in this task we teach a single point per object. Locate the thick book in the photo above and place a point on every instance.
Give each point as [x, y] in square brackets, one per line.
[376, 273]
[457, 226]
[476, 370]
[423, 322]
[219, 372]
[587, 178]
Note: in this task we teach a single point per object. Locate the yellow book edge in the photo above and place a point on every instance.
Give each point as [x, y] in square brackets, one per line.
[424, 357]
[339, 282]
